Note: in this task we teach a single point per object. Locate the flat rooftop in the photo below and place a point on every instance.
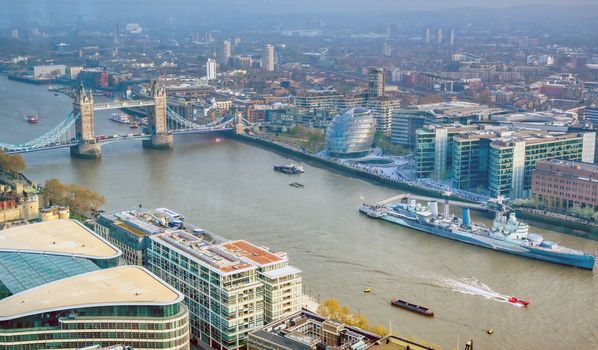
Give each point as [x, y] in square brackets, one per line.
[123, 285]
[215, 256]
[258, 256]
[64, 237]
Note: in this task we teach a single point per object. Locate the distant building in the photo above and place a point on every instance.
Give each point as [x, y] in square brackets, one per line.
[226, 52]
[94, 77]
[61, 287]
[386, 49]
[375, 82]
[428, 35]
[406, 121]
[133, 28]
[382, 108]
[211, 69]
[452, 37]
[351, 134]
[14, 34]
[49, 71]
[19, 200]
[500, 159]
[73, 72]
[439, 36]
[268, 58]
[560, 184]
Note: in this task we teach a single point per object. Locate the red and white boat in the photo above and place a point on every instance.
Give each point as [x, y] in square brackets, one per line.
[514, 300]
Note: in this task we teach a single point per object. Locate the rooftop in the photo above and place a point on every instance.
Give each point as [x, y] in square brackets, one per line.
[197, 248]
[256, 255]
[456, 109]
[62, 237]
[124, 285]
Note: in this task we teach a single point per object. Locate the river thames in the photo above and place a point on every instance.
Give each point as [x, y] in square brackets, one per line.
[229, 188]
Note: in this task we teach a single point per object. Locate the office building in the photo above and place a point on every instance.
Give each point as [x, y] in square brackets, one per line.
[382, 108]
[386, 49]
[439, 36]
[268, 58]
[351, 134]
[60, 287]
[499, 159]
[560, 184]
[428, 35]
[231, 287]
[375, 82]
[211, 69]
[226, 52]
[14, 34]
[305, 330]
[406, 121]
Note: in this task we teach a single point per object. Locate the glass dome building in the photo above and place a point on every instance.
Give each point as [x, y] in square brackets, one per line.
[351, 134]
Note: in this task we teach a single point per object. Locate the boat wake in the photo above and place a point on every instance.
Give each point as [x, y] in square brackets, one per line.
[472, 286]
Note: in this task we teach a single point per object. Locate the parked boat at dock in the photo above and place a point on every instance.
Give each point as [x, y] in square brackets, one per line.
[120, 117]
[507, 234]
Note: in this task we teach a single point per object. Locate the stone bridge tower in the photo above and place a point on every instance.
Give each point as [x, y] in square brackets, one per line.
[84, 127]
[160, 137]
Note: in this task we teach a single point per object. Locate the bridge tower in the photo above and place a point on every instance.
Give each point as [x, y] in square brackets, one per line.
[160, 138]
[239, 126]
[84, 127]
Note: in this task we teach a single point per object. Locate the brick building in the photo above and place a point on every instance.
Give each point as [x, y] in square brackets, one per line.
[561, 184]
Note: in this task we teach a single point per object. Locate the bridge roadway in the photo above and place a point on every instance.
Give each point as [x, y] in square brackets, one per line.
[122, 104]
[116, 138]
[461, 204]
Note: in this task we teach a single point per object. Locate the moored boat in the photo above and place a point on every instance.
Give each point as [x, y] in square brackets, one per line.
[412, 307]
[289, 169]
[507, 233]
[120, 117]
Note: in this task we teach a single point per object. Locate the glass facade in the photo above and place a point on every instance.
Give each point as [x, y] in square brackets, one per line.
[351, 134]
[140, 326]
[223, 308]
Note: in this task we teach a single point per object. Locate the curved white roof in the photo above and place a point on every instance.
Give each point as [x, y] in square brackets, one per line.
[61, 237]
[123, 285]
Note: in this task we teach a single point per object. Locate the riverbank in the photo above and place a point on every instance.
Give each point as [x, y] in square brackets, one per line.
[575, 227]
[351, 171]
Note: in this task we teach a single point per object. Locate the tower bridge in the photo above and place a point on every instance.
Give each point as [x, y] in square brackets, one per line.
[77, 131]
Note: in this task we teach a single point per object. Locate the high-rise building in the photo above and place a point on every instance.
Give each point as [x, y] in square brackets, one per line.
[387, 49]
[226, 52]
[230, 287]
[14, 34]
[428, 35]
[236, 41]
[439, 36]
[211, 69]
[382, 108]
[61, 287]
[375, 82]
[115, 34]
[268, 58]
[452, 37]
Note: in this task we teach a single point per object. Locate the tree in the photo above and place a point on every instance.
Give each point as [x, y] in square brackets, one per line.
[12, 163]
[380, 330]
[81, 200]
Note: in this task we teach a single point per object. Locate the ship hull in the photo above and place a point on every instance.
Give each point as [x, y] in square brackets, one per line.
[577, 260]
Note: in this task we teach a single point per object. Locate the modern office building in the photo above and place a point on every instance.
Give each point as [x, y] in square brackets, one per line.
[406, 121]
[211, 69]
[452, 37]
[428, 35]
[305, 330]
[60, 287]
[560, 184]
[268, 58]
[375, 82]
[439, 36]
[231, 287]
[512, 159]
[382, 108]
[499, 159]
[351, 134]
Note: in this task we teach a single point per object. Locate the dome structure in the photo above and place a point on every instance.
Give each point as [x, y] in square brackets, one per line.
[351, 134]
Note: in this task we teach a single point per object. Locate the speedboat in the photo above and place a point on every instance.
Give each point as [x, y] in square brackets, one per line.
[514, 300]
